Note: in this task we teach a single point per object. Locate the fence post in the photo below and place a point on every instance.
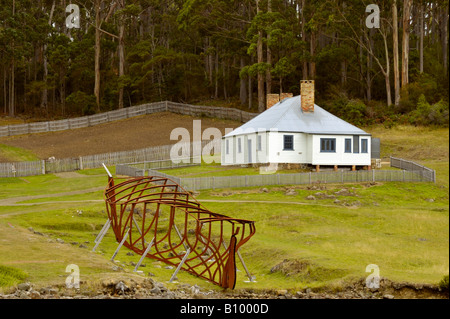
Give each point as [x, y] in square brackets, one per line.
[43, 167]
[81, 162]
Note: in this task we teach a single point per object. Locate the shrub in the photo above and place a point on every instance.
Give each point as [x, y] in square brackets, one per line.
[443, 284]
[80, 101]
[426, 114]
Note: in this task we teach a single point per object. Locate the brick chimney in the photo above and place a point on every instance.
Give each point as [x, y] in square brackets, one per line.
[272, 99]
[307, 96]
[285, 96]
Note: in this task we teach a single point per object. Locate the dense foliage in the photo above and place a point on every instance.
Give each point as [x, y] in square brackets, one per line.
[127, 52]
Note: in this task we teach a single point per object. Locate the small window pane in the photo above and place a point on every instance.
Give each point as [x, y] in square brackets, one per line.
[259, 142]
[228, 146]
[364, 148]
[288, 142]
[355, 144]
[348, 145]
[239, 145]
[328, 145]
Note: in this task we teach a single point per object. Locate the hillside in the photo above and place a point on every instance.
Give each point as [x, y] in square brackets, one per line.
[134, 133]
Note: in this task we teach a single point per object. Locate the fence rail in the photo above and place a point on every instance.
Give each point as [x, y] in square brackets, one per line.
[426, 173]
[156, 157]
[212, 182]
[111, 116]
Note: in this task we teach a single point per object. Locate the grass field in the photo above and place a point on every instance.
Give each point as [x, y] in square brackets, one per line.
[401, 227]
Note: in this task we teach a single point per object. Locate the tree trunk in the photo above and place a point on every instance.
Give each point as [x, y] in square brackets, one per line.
[216, 82]
[312, 64]
[242, 86]
[97, 54]
[405, 41]
[5, 92]
[304, 39]
[387, 72]
[121, 61]
[11, 83]
[44, 99]
[269, 56]
[444, 37]
[395, 54]
[261, 97]
[421, 35]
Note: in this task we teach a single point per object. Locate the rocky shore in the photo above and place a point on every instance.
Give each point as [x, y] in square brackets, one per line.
[148, 288]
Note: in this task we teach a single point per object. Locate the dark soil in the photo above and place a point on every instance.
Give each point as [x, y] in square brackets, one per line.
[131, 134]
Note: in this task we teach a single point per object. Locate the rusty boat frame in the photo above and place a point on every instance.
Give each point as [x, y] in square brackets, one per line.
[145, 212]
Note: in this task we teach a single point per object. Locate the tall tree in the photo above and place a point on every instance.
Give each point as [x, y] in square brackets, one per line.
[407, 4]
[395, 53]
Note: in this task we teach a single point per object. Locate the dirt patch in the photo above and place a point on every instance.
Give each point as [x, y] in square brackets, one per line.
[131, 134]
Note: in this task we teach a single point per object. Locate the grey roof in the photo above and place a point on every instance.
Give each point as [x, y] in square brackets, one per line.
[287, 116]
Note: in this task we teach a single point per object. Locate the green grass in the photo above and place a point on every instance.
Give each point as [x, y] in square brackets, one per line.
[10, 276]
[401, 227]
[16, 154]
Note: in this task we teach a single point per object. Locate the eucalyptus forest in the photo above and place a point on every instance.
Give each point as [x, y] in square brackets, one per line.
[379, 61]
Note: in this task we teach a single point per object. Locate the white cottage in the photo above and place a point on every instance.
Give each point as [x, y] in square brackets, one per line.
[296, 131]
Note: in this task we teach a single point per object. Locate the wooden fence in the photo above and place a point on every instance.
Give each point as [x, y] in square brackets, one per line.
[111, 116]
[157, 155]
[213, 182]
[427, 174]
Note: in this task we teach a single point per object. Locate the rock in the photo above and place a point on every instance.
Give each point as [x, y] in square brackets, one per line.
[310, 197]
[319, 194]
[282, 292]
[264, 190]
[59, 240]
[290, 192]
[388, 296]
[34, 294]
[130, 253]
[194, 289]
[168, 267]
[356, 203]
[25, 286]
[83, 246]
[155, 291]
[430, 200]
[121, 287]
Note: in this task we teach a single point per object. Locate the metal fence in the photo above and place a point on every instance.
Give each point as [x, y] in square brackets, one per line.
[111, 116]
[212, 182]
[426, 173]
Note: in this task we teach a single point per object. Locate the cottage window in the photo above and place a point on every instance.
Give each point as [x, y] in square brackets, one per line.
[364, 145]
[259, 142]
[348, 145]
[328, 145]
[288, 142]
[228, 147]
[239, 146]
